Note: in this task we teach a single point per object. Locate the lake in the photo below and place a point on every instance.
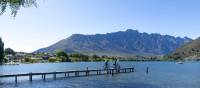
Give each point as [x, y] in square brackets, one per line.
[161, 75]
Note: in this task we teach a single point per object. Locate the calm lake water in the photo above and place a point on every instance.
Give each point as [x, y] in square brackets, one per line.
[161, 75]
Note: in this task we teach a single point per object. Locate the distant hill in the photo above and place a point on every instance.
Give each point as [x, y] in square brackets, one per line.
[129, 42]
[190, 51]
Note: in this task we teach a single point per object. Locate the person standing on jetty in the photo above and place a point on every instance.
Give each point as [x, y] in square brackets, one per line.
[106, 65]
[116, 64]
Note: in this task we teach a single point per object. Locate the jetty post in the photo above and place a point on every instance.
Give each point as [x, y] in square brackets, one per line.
[15, 78]
[30, 77]
[44, 76]
[54, 75]
[147, 70]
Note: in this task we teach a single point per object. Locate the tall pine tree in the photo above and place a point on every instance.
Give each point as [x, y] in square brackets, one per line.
[1, 51]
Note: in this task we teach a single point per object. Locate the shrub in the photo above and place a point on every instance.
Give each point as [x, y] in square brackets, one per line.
[27, 59]
[52, 59]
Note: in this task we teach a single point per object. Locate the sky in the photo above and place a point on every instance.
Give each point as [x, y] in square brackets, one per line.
[54, 20]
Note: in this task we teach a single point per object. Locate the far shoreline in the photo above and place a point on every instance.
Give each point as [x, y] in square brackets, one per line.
[101, 61]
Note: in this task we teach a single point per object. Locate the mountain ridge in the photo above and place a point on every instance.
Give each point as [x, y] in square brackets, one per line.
[129, 42]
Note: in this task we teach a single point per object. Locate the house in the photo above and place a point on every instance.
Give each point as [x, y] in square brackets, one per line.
[10, 57]
[45, 57]
[19, 56]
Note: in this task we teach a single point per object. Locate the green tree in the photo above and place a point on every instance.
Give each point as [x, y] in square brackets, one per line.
[9, 51]
[62, 55]
[1, 51]
[15, 5]
[27, 59]
[80, 57]
[95, 56]
[52, 60]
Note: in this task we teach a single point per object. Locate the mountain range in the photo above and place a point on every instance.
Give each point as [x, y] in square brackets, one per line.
[129, 42]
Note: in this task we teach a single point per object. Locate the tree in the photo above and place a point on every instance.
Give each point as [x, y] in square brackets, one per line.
[9, 51]
[52, 59]
[27, 59]
[1, 51]
[80, 57]
[15, 5]
[61, 54]
[95, 56]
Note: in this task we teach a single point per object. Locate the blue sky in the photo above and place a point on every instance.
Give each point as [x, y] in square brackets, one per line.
[53, 20]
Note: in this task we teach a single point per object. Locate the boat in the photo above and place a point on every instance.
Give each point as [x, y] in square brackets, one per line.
[179, 62]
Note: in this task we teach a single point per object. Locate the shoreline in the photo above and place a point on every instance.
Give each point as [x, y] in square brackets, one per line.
[98, 61]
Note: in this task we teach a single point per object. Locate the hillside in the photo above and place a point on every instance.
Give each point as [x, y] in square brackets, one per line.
[190, 51]
[129, 42]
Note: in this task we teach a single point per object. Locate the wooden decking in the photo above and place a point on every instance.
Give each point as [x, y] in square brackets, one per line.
[79, 73]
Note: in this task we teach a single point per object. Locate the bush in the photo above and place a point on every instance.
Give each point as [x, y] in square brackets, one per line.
[63, 56]
[61, 53]
[27, 59]
[5, 60]
[34, 60]
[52, 59]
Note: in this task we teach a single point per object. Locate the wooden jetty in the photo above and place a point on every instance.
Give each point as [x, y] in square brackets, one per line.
[79, 73]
